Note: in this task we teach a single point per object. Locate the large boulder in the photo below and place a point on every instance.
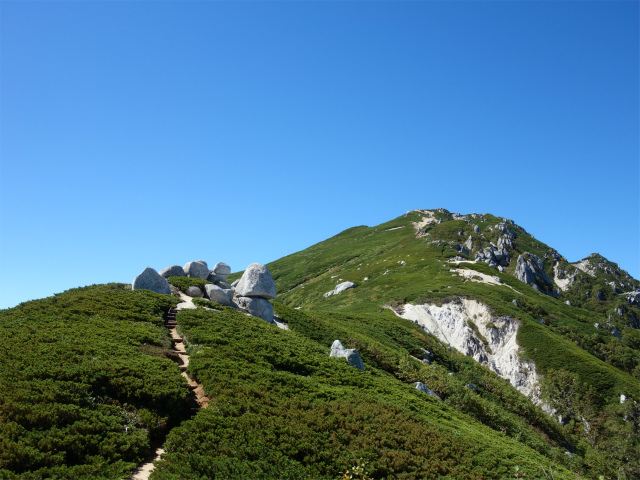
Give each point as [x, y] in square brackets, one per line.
[197, 269]
[258, 307]
[216, 294]
[193, 291]
[221, 270]
[172, 271]
[256, 281]
[149, 279]
[351, 354]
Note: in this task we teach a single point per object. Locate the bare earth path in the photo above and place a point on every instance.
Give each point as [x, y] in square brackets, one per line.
[144, 469]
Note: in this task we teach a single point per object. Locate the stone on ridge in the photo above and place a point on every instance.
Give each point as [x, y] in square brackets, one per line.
[196, 269]
[256, 281]
[149, 279]
[172, 271]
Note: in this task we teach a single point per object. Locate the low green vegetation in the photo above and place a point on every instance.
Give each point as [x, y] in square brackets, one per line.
[87, 383]
[282, 408]
[182, 283]
[92, 384]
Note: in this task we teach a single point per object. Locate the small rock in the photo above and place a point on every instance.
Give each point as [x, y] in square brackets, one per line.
[197, 269]
[256, 281]
[218, 295]
[568, 302]
[515, 302]
[623, 398]
[351, 354]
[500, 268]
[223, 285]
[229, 292]
[598, 326]
[340, 288]
[235, 283]
[423, 388]
[616, 333]
[172, 271]
[472, 387]
[186, 305]
[149, 279]
[193, 291]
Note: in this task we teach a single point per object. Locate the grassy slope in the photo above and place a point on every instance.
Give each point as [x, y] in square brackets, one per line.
[86, 383]
[282, 408]
[374, 252]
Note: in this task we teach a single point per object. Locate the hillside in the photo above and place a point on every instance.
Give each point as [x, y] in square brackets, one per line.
[527, 356]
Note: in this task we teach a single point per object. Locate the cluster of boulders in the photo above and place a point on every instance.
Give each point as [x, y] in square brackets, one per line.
[252, 291]
[494, 256]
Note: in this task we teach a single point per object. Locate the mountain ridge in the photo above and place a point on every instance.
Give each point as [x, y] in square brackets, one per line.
[438, 300]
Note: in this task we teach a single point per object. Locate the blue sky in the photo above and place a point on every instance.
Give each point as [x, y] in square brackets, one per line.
[147, 133]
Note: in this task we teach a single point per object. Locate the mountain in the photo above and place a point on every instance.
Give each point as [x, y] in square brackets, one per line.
[532, 365]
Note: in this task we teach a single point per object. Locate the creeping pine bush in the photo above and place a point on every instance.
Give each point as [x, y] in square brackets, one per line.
[85, 385]
[183, 283]
[281, 407]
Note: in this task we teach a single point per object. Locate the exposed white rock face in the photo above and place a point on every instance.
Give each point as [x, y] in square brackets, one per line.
[449, 323]
[586, 267]
[562, 283]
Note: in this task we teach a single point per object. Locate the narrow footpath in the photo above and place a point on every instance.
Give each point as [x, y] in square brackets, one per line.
[146, 467]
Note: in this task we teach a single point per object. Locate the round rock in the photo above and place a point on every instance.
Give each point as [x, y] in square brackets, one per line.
[172, 271]
[258, 307]
[193, 291]
[149, 279]
[218, 295]
[222, 270]
[197, 269]
[256, 281]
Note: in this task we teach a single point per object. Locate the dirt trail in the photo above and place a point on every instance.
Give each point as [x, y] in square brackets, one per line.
[146, 467]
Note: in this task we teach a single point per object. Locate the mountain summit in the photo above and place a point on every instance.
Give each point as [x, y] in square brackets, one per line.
[436, 345]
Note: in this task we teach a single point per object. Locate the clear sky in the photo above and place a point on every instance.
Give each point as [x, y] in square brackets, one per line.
[144, 133]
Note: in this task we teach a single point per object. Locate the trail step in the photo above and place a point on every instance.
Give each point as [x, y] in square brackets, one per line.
[193, 387]
[177, 340]
[183, 368]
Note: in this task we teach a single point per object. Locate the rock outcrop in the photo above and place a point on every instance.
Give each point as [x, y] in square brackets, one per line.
[531, 270]
[149, 279]
[351, 354]
[341, 287]
[450, 322]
